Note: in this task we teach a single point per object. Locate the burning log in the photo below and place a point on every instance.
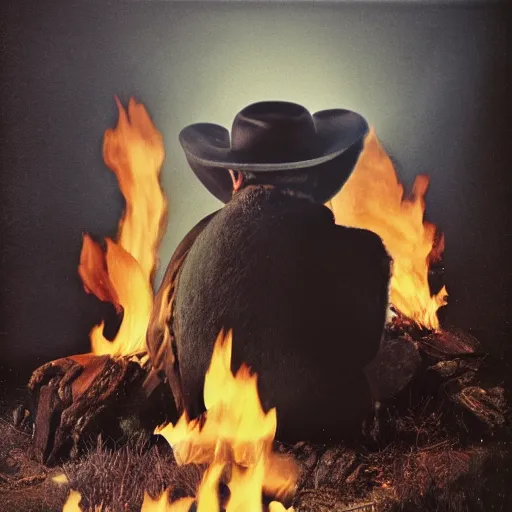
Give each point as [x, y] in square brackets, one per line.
[74, 399]
[439, 441]
[440, 367]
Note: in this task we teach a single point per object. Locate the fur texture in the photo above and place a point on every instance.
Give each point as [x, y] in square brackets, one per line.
[306, 300]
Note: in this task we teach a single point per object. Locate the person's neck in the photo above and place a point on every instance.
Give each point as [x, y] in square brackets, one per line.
[279, 189]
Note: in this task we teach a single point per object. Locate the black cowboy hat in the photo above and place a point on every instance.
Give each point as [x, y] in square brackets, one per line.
[272, 136]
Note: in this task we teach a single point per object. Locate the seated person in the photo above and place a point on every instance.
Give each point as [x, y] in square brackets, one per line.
[306, 299]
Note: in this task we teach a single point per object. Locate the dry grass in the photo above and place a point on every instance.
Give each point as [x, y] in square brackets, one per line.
[117, 479]
[25, 486]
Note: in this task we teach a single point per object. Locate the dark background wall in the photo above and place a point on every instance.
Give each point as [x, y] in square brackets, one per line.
[431, 79]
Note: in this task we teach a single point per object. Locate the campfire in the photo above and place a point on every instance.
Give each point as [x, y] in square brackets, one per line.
[437, 423]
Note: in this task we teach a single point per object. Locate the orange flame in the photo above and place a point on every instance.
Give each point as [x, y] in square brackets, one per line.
[73, 503]
[373, 199]
[207, 500]
[123, 275]
[236, 432]
[162, 504]
[148, 505]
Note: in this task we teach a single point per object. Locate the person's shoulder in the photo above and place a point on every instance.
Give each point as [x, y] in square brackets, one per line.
[185, 245]
[363, 238]
[191, 236]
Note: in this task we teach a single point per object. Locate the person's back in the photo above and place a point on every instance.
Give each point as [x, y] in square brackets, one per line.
[305, 299]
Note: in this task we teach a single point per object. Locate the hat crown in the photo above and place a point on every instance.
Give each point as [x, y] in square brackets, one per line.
[274, 132]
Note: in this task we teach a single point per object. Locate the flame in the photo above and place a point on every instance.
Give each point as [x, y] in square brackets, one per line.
[73, 503]
[234, 432]
[148, 505]
[372, 198]
[207, 499]
[162, 504]
[234, 435]
[123, 274]
[276, 506]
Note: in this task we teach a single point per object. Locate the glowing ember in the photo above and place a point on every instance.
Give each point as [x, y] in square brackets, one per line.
[123, 275]
[373, 199]
[234, 431]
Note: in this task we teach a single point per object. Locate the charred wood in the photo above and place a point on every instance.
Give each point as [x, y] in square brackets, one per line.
[72, 400]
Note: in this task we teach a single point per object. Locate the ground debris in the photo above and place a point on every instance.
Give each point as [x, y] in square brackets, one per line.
[440, 441]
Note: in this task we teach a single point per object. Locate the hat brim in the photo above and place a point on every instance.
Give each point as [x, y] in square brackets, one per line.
[208, 151]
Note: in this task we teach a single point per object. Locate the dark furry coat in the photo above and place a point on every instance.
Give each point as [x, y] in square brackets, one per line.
[306, 300]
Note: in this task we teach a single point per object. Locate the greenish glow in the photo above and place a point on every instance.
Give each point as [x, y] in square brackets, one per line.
[389, 65]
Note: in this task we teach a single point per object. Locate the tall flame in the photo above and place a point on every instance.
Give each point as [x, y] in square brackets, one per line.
[373, 199]
[123, 274]
[234, 432]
